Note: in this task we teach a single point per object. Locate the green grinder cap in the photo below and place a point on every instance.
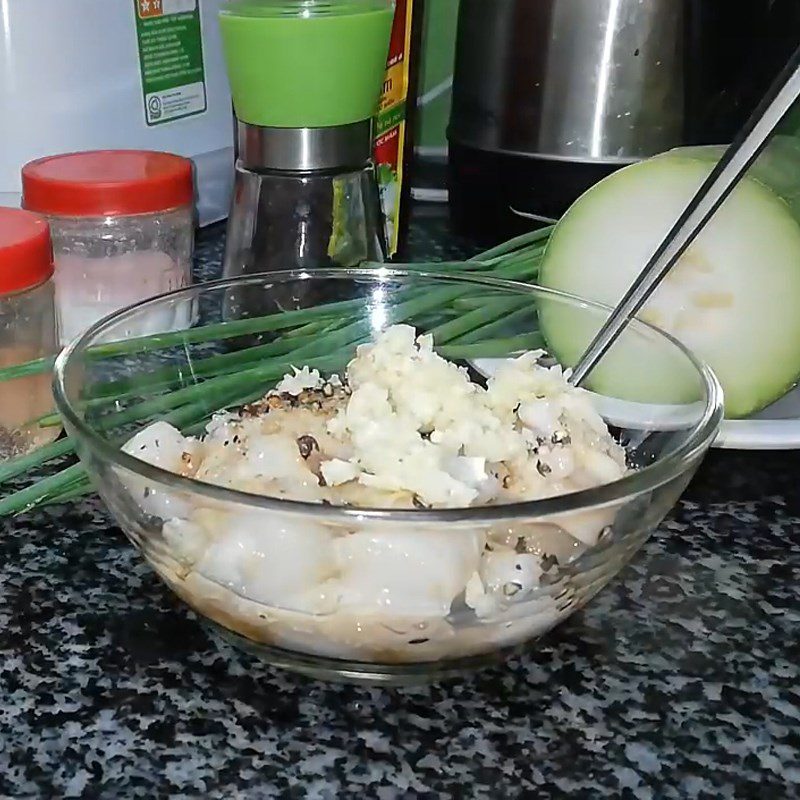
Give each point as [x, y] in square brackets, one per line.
[305, 63]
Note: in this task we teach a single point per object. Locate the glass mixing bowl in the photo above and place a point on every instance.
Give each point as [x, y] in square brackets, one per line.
[108, 386]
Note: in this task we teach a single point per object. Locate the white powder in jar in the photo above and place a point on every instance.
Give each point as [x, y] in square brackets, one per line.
[88, 289]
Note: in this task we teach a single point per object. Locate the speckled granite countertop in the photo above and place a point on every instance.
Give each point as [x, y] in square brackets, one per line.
[681, 680]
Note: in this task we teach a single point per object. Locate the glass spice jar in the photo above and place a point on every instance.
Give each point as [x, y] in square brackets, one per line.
[122, 223]
[27, 330]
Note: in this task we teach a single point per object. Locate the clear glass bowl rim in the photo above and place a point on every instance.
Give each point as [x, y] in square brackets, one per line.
[646, 479]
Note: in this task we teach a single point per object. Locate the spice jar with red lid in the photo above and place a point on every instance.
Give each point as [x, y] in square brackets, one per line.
[27, 331]
[122, 224]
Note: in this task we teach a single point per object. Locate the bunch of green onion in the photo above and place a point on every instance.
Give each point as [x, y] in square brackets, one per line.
[322, 337]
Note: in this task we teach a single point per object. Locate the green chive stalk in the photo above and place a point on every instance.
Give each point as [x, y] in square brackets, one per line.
[322, 337]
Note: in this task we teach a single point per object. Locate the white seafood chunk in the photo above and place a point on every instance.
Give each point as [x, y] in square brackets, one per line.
[515, 625]
[504, 577]
[405, 572]
[221, 427]
[509, 572]
[271, 559]
[337, 471]
[263, 464]
[161, 445]
[541, 415]
[601, 467]
[586, 526]
[187, 540]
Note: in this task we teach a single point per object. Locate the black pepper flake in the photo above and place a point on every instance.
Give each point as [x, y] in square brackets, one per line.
[543, 469]
[426, 435]
[146, 491]
[418, 503]
[562, 438]
[306, 445]
[322, 481]
[548, 562]
[518, 567]
[157, 444]
[226, 443]
[418, 641]
[236, 439]
[143, 447]
[506, 481]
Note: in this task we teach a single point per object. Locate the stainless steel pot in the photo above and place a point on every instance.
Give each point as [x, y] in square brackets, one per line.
[551, 95]
[598, 80]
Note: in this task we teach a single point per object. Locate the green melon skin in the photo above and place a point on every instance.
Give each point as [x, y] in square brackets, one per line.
[733, 299]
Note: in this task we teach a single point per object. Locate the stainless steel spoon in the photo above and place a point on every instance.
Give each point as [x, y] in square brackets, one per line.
[736, 160]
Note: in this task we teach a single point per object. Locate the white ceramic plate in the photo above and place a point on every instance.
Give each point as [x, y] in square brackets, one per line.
[775, 428]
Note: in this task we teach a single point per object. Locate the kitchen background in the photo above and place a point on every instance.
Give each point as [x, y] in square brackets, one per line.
[678, 681]
[510, 166]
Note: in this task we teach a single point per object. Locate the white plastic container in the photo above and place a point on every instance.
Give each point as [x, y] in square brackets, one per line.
[116, 74]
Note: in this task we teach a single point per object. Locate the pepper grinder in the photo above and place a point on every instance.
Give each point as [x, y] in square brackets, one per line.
[305, 78]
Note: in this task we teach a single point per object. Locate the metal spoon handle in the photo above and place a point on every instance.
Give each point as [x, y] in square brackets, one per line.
[736, 160]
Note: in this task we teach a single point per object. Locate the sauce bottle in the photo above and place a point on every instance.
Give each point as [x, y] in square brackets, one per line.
[394, 123]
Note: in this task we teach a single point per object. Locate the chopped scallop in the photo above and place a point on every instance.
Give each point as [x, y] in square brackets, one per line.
[186, 539]
[271, 559]
[505, 576]
[164, 446]
[509, 572]
[405, 572]
[512, 626]
[263, 464]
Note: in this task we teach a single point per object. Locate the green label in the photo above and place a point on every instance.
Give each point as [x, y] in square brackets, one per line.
[170, 59]
[389, 118]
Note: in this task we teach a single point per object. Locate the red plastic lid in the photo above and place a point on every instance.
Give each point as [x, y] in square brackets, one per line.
[26, 254]
[110, 183]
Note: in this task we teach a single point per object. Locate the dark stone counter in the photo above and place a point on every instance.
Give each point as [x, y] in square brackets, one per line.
[680, 680]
